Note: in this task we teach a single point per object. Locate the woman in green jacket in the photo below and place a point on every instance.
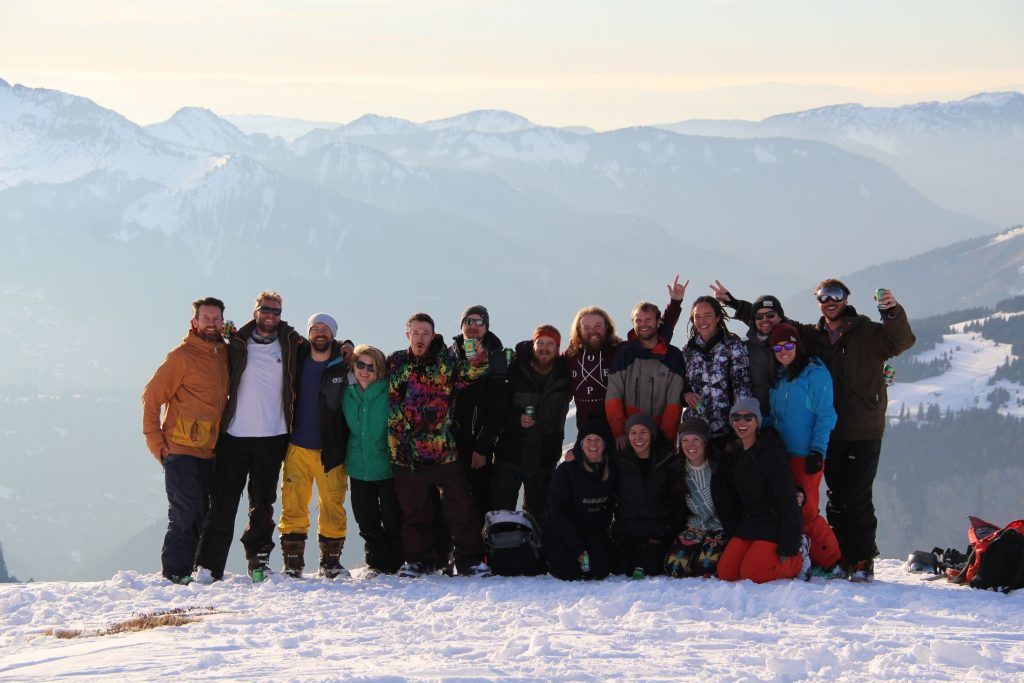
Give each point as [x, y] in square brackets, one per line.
[368, 462]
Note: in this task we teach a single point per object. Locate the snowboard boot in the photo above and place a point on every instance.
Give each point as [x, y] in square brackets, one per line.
[259, 567]
[293, 549]
[330, 558]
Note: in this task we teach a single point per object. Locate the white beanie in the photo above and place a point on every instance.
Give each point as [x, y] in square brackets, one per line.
[326, 320]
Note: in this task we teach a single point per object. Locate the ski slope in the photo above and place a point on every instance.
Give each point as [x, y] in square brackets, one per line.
[974, 360]
[519, 629]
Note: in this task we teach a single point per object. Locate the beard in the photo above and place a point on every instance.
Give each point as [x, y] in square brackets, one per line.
[210, 334]
[321, 344]
[595, 343]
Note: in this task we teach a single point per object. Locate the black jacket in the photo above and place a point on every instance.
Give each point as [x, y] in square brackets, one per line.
[238, 354]
[580, 497]
[767, 494]
[649, 501]
[334, 429]
[539, 447]
[480, 407]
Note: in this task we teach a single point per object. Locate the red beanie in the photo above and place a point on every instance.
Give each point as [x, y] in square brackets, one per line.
[784, 332]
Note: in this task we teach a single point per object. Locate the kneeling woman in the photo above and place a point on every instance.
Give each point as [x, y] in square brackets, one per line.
[368, 460]
[767, 542]
[710, 499]
[576, 540]
[648, 500]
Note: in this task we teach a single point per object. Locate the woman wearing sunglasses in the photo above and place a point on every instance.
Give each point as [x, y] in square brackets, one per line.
[767, 541]
[368, 461]
[802, 412]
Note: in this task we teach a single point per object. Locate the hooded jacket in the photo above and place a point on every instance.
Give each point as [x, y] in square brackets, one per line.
[421, 392]
[720, 372]
[193, 383]
[238, 353]
[646, 381]
[581, 496]
[480, 406]
[650, 497]
[766, 493]
[366, 417]
[334, 431]
[540, 446]
[802, 411]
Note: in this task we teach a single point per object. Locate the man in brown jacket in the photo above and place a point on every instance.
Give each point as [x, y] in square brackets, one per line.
[191, 388]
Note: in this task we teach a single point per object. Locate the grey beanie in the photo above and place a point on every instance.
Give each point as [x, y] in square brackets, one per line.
[748, 404]
[768, 301]
[326, 320]
[644, 420]
[477, 310]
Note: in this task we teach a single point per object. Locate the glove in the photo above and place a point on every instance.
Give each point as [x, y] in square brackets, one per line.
[814, 462]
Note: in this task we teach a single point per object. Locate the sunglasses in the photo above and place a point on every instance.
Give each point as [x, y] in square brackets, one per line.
[360, 365]
[744, 417]
[479, 322]
[830, 293]
[785, 346]
[270, 309]
[770, 315]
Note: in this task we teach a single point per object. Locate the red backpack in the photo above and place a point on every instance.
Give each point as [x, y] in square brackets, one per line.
[996, 558]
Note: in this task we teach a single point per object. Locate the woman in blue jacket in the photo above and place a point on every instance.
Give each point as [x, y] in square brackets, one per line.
[803, 414]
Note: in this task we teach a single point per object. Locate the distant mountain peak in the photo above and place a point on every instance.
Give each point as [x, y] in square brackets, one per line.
[483, 121]
[200, 128]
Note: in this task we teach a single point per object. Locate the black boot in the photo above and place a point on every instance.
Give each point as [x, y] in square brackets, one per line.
[330, 558]
[259, 567]
[293, 548]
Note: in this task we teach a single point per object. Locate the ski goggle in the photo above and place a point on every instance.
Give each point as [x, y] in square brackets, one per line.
[830, 293]
[784, 346]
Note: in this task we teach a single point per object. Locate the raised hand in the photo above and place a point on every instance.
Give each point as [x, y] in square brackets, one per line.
[677, 291]
[886, 301]
[721, 293]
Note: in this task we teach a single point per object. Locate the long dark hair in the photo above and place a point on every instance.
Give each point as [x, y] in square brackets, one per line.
[793, 370]
[716, 307]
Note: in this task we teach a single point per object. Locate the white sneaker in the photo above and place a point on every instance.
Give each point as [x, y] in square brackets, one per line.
[410, 570]
[805, 550]
[481, 570]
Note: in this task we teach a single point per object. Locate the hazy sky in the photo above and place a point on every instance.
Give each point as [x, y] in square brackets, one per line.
[590, 62]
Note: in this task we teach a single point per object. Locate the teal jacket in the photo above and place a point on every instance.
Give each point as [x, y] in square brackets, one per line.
[802, 410]
[366, 412]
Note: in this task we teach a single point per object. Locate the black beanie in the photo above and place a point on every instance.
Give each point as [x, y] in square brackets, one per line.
[477, 310]
[768, 301]
[595, 424]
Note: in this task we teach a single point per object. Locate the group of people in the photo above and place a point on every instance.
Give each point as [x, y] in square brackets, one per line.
[702, 459]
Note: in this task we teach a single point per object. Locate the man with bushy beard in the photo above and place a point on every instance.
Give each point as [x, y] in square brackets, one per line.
[192, 386]
[592, 347]
[534, 424]
[254, 438]
[316, 452]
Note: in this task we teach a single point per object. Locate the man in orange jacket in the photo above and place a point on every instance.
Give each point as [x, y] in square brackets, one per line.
[190, 389]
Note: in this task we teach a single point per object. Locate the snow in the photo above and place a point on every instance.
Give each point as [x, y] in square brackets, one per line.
[440, 628]
[1008, 235]
[965, 385]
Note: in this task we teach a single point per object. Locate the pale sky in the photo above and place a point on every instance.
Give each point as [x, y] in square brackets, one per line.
[560, 62]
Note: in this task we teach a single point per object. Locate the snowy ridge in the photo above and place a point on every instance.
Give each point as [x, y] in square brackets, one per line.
[438, 628]
[483, 121]
[965, 385]
[201, 129]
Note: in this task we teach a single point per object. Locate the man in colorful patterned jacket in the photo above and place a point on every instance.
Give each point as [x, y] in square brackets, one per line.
[422, 381]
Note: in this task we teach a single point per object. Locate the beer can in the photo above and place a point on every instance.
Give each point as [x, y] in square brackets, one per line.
[470, 346]
[888, 375]
[508, 357]
[530, 412]
[879, 293]
[585, 562]
[228, 329]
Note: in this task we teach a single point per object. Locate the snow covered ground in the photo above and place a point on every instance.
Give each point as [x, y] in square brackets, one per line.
[974, 360]
[451, 629]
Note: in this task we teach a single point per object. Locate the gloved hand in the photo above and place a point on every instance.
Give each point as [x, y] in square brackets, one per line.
[814, 462]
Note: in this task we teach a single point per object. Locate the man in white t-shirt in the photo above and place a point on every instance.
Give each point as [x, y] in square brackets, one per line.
[254, 439]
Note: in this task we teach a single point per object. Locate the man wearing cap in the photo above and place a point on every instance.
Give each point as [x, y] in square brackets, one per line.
[646, 377]
[479, 406]
[254, 437]
[316, 453]
[761, 317]
[531, 444]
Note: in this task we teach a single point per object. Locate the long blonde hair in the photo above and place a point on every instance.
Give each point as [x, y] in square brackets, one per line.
[576, 341]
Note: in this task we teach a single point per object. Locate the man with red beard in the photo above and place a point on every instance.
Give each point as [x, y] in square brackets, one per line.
[592, 347]
[646, 377]
[192, 386]
[534, 424]
[316, 452]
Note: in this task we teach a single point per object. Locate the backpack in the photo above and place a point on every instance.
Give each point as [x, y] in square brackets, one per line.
[996, 559]
[512, 539]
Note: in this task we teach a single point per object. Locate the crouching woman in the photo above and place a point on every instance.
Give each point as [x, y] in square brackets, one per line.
[576, 539]
[767, 541]
[711, 508]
